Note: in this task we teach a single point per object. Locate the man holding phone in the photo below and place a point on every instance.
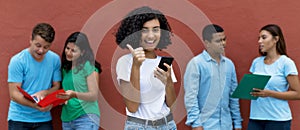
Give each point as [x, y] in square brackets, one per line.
[209, 80]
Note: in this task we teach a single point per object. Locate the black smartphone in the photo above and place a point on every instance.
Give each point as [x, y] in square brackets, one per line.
[163, 60]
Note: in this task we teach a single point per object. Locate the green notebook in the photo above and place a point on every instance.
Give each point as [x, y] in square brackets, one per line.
[248, 82]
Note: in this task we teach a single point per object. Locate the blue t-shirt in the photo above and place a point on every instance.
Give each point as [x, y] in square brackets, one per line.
[270, 108]
[34, 77]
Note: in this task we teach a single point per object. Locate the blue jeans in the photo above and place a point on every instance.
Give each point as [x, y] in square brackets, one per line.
[268, 125]
[129, 125]
[17, 125]
[84, 122]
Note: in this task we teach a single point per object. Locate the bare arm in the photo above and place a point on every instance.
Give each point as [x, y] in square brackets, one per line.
[91, 95]
[131, 94]
[166, 78]
[17, 96]
[292, 94]
[131, 90]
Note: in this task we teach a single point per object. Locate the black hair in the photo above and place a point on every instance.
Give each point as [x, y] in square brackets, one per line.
[209, 30]
[129, 32]
[81, 41]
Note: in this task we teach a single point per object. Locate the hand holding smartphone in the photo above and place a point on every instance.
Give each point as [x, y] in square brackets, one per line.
[163, 60]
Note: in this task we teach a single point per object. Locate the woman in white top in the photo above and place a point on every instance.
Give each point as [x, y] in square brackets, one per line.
[148, 91]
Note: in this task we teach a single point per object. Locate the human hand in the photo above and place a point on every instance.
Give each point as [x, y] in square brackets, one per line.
[162, 75]
[138, 54]
[43, 109]
[40, 95]
[260, 93]
[198, 128]
[67, 95]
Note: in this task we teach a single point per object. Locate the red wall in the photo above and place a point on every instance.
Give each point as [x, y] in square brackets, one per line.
[99, 19]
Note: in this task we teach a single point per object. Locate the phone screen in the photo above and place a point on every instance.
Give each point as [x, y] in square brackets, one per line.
[163, 60]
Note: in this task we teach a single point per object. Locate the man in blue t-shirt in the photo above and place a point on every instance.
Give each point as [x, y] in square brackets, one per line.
[36, 70]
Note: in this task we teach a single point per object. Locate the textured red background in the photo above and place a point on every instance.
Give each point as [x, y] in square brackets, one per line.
[240, 19]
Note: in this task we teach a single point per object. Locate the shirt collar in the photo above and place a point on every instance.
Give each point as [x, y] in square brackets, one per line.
[207, 57]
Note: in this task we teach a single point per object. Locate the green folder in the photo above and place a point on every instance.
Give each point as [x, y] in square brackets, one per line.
[246, 85]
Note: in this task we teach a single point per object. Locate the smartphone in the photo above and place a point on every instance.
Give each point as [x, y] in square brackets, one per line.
[35, 99]
[163, 60]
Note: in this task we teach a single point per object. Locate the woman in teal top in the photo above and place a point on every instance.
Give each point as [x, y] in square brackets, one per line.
[80, 74]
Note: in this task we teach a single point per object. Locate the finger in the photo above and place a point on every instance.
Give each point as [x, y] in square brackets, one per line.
[158, 74]
[49, 107]
[130, 48]
[159, 70]
[141, 59]
[165, 64]
[141, 49]
[256, 90]
[139, 53]
[168, 66]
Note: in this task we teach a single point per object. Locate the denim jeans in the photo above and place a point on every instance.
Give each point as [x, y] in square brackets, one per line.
[17, 125]
[129, 125]
[269, 125]
[87, 121]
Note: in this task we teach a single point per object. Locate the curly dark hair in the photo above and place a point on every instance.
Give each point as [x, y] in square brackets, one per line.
[129, 32]
[80, 40]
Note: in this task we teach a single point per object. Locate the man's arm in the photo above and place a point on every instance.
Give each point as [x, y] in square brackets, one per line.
[234, 104]
[17, 96]
[191, 87]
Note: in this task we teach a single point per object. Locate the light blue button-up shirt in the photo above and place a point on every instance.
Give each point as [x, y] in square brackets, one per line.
[208, 86]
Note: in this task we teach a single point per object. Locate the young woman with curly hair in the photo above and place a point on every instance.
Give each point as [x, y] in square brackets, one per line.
[148, 91]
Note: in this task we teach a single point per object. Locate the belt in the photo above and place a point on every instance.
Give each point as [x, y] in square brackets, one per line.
[158, 122]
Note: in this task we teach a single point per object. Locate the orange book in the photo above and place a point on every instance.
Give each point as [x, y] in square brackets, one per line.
[48, 100]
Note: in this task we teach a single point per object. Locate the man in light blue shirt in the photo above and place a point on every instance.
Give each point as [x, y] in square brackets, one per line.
[35, 69]
[209, 80]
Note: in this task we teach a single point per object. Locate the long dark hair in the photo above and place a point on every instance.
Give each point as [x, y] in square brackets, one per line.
[81, 41]
[129, 32]
[275, 30]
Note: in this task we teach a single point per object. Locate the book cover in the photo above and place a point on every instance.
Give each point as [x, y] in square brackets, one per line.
[48, 100]
[246, 85]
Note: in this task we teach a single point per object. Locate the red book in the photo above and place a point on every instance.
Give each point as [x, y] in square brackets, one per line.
[48, 100]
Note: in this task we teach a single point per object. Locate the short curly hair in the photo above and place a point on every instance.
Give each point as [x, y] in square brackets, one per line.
[129, 32]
